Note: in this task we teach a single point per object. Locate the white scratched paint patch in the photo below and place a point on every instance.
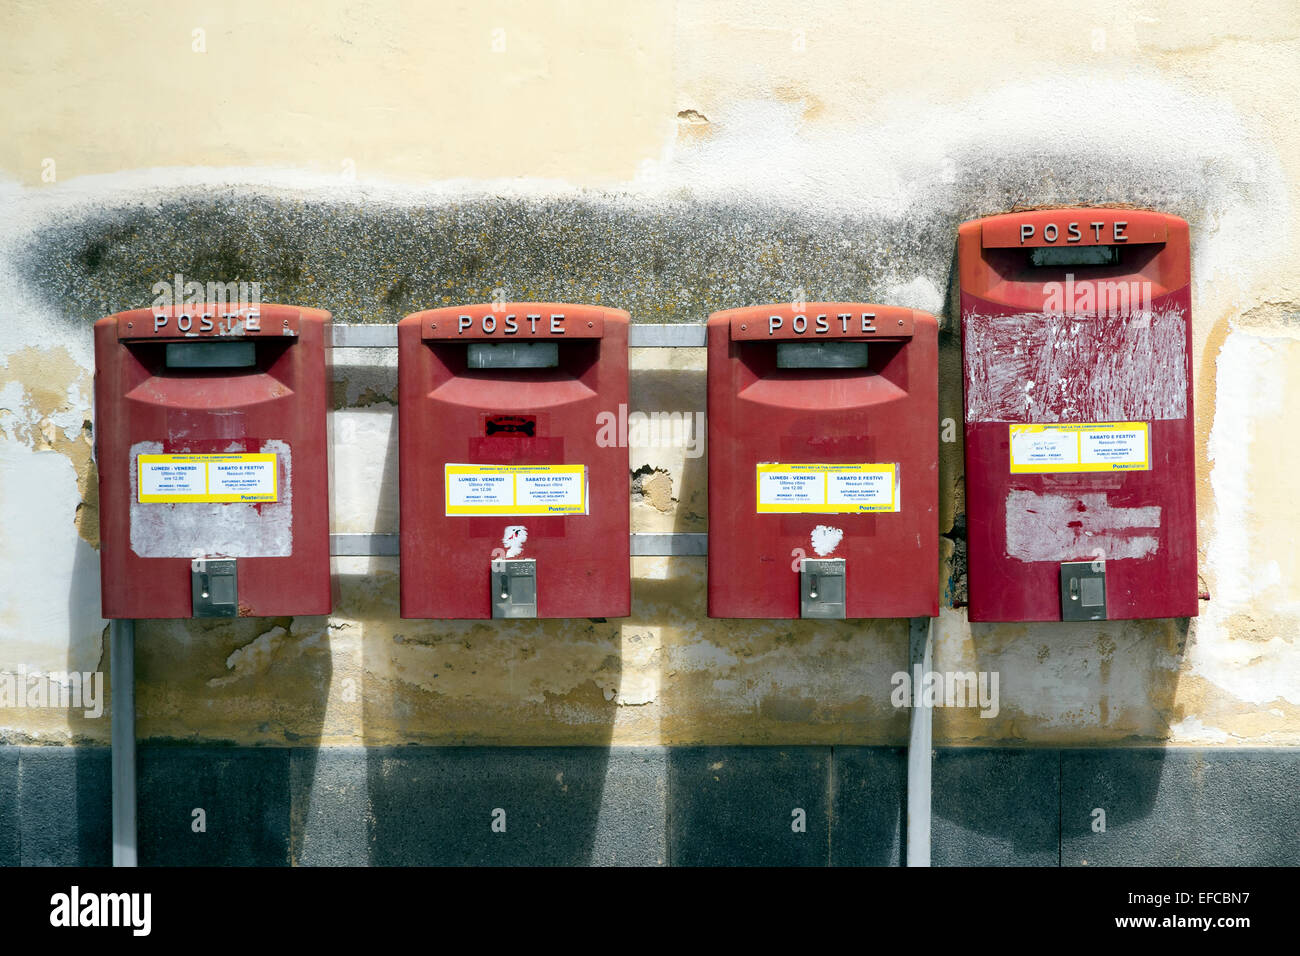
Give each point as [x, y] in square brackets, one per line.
[1064, 527]
[1040, 367]
[514, 539]
[826, 539]
[197, 529]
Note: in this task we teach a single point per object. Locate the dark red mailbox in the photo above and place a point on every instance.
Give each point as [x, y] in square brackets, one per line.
[1080, 451]
[823, 462]
[514, 501]
[212, 449]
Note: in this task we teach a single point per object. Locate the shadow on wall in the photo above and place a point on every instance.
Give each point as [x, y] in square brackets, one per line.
[996, 804]
[205, 796]
[200, 800]
[73, 822]
[464, 689]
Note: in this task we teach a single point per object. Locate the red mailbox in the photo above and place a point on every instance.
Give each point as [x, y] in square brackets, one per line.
[823, 462]
[1080, 451]
[212, 449]
[514, 501]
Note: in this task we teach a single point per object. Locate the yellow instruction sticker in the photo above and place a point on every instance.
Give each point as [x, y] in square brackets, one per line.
[226, 478]
[516, 489]
[827, 489]
[1097, 446]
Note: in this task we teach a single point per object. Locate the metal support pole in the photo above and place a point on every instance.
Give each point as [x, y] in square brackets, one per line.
[919, 745]
[122, 656]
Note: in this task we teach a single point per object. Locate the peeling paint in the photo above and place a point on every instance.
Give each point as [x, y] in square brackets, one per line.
[1071, 527]
[44, 405]
[655, 486]
[1052, 372]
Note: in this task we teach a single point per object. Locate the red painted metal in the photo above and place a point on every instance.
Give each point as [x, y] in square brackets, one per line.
[1078, 344]
[885, 413]
[1079, 226]
[451, 414]
[279, 404]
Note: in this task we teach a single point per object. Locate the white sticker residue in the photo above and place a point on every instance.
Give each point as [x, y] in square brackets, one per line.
[826, 539]
[1073, 527]
[516, 535]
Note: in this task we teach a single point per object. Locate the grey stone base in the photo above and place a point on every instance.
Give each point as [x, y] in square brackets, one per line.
[801, 806]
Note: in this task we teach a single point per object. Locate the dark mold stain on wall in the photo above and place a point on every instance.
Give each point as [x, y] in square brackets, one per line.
[670, 258]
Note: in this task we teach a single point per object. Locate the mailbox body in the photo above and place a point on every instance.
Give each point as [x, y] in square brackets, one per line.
[462, 427]
[209, 392]
[764, 419]
[1076, 329]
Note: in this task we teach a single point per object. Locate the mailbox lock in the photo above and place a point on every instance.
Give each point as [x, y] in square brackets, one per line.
[1083, 591]
[515, 591]
[821, 586]
[214, 587]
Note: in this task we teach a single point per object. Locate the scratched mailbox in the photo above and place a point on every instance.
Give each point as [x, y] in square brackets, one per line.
[512, 504]
[1080, 451]
[823, 462]
[211, 443]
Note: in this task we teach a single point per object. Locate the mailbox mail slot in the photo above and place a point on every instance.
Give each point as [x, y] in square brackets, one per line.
[512, 503]
[823, 462]
[211, 442]
[1080, 451]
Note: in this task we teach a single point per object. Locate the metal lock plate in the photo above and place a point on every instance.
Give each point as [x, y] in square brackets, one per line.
[214, 587]
[821, 588]
[514, 587]
[1083, 591]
